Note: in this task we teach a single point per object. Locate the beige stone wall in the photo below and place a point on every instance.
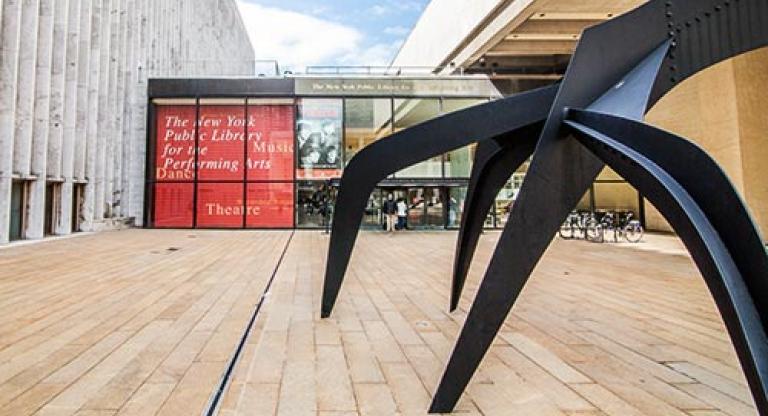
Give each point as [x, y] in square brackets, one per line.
[723, 109]
[751, 72]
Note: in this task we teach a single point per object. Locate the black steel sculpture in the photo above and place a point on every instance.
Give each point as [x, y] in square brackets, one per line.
[619, 70]
[493, 165]
[502, 120]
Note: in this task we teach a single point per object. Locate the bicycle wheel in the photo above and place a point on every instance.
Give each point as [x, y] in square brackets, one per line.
[595, 232]
[633, 233]
[566, 232]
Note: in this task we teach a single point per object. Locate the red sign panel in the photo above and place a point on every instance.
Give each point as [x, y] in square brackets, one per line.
[270, 205]
[173, 205]
[270, 142]
[175, 143]
[220, 205]
[223, 157]
[222, 146]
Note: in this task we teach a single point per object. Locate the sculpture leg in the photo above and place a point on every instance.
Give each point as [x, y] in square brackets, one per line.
[679, 178]
[561, 172]
[400, 150]
[536, 217]
[495, 162]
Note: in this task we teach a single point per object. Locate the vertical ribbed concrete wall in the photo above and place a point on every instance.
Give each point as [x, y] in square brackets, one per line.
[73, 78]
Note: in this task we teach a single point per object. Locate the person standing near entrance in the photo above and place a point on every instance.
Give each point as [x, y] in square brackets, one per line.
[402, 214]
[390, 211]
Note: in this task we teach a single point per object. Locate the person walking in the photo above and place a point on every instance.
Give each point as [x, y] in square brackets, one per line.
[402, 214]
[390, 211]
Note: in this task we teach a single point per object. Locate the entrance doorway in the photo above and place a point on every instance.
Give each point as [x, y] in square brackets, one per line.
[18, 201]
[52, 201]
[78, 198]
[426, 206]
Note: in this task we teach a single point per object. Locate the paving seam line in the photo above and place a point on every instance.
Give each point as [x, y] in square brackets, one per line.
[214, 402]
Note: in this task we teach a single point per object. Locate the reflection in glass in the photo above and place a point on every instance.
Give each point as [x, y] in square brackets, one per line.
[365, 121]
[456, 199]
[434, 205]
[425, 208]
[408, 113]
[458, 163]
[415, 201]
[314, 203]
[506, 198]
[372, 216]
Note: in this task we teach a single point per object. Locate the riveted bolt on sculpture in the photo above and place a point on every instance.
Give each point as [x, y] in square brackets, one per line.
[592, 118]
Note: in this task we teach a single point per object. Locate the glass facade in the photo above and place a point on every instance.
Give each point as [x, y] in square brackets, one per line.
[365, 121]
[241, 175]
[408, 113]
[458, 163]
[274, 162]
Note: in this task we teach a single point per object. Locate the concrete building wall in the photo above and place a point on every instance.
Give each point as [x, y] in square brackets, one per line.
[73, 99]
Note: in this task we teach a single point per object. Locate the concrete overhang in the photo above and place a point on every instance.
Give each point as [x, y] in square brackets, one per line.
[527, 39]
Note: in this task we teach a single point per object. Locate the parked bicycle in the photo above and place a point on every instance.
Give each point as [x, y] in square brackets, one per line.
[580, 225]
[622, 226]
[585, 225]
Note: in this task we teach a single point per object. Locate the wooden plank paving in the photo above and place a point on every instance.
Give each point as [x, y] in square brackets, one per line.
[129, 323]
[117, 324]
[601, 330]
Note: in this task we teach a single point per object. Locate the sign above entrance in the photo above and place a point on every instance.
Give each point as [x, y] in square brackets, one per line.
[458, 87]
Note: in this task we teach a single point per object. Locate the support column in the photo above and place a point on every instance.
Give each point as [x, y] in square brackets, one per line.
[138, 135]
[111, 106]
[127, 110]
[64, 223]
[103, 124]
[25, 100]
[25, 94]
[56, 105]
[117, 141]
[97, 12]
[36, 222]
[9, 54]
[83, 79]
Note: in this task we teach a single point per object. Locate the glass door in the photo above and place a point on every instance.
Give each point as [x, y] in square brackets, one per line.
[426, 207]
[373, 217]
[434, 206]
[17, 210]
[416, 213]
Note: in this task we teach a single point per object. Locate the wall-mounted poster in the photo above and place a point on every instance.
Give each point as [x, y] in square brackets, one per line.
[319, 138]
